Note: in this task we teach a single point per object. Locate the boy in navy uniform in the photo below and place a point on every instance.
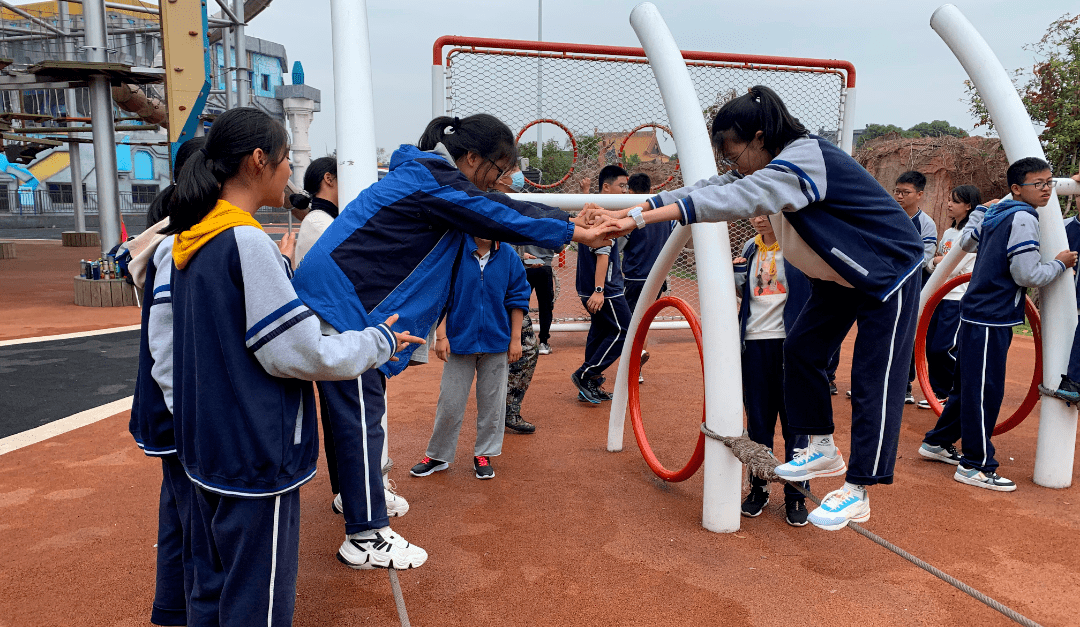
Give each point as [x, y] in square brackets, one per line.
[1069, 389]
[908, 191]
[600, 286]
[1006, 236]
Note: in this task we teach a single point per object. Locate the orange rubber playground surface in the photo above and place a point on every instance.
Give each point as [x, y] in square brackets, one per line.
[566, 534]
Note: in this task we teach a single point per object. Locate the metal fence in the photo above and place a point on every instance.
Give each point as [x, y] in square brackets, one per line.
[52, 202]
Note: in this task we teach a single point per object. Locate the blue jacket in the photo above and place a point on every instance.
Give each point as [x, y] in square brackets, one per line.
[850, 225]
[245, 422]
[1072, 233]
[798, 286]
[1009, 262]
[478, 320]
[393, 249]
[151, 421]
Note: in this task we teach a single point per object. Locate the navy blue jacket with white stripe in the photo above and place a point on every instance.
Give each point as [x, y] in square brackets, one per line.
[1009, 262]
[832, 219]
[151, 421]
[393, 249]
[798, 286]
[1072, 233]
[478, 320]
[245, 422]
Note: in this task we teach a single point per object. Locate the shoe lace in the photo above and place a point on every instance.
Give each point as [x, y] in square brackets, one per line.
[390, 486]
[837, 497]
[951, 449]
[426, 460]
[482, 461]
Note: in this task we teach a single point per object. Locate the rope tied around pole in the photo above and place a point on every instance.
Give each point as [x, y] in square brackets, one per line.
[760, 462]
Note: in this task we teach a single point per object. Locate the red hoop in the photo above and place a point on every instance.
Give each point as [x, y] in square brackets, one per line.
[922, 371]
[573, 143]
[634, 393]
[661, 127]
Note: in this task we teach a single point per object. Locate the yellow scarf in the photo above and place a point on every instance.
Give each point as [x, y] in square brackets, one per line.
[221, 218]
[763, 252]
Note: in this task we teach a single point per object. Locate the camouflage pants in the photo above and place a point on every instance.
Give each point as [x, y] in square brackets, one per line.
[521, 371]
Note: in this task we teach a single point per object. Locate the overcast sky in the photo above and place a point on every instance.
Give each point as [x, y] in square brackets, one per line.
[905, 72]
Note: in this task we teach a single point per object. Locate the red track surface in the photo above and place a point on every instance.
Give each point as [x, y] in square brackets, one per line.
[567, 533]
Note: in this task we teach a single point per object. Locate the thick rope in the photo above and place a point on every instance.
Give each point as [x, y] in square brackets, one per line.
[760, 462]
[399, 599]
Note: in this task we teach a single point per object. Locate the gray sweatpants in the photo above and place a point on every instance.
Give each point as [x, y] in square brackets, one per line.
[491, 371]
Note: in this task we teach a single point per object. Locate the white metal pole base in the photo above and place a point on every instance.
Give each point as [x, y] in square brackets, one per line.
[1057, 422]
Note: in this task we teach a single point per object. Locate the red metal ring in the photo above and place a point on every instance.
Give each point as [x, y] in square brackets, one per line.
[634, 393]
[622, 147]
[922, 370]
[573, 143]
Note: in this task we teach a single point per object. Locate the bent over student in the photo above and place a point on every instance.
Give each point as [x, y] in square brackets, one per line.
[245, 423]
[844, 231]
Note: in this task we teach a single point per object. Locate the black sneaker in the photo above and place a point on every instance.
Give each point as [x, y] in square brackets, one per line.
[428, 466]
[832, 387]
[598, 391]
[586, 392]
[482, 466]
[755, 501]
[517, 424]
[796, 512]
[909, 398]
[1068, 390]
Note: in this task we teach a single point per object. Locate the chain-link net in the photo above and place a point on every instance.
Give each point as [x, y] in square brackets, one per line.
[601, 101]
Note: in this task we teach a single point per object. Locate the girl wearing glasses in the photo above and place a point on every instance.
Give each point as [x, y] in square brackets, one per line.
[847, 233]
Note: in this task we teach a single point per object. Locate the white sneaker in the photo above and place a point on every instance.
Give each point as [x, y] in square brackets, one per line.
[545, 349]
[840, 507]
[396, 505]
[810, 463]
[380, 548]
[979, 479]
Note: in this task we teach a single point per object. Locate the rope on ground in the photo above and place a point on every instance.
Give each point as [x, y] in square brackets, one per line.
[760, 462]
[399, 599]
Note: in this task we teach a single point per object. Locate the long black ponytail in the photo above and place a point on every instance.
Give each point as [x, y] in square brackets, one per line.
[484, 134]
[313, 180]
[759, 110]
[159, 206]
[232, 138]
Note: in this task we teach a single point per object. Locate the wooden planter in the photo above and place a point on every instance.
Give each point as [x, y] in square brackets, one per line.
[105, 293]
[76, 239]
[7, 250]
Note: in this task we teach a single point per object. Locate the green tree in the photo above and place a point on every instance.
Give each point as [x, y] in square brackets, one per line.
[1051, 93]
[937, 128]
[555, 163]
[877, 130]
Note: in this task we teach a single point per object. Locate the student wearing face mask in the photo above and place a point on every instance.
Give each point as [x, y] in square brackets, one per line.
[398, 245]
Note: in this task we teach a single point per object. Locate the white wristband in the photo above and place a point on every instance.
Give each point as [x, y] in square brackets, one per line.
[635, 213]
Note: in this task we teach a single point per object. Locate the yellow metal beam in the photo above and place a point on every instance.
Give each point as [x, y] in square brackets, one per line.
[187, 66]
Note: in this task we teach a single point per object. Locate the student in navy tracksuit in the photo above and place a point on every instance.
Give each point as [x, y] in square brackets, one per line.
[244, 421]
[151, 421]
[394, 249]
[1009, 262]
[844, 231]
[773, 293]
[1069, 388]
[480, 336]
[908, 191]
[600, 287]
[944, 328]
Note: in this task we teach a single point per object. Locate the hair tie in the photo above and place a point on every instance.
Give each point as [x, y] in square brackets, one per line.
[449, 130]
[306, 194]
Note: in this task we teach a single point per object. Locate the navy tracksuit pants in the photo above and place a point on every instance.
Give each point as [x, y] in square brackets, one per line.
[763, 398]
[975, 399]
[1074, 358]
[356, 409]
[881, 357]
[941, 339]
[175, 571]
[606, 336]
[246, 553]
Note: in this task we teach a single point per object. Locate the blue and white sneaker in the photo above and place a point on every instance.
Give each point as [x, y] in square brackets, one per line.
[810, 463]
[977, 478]
[840, 507]
[947, 453]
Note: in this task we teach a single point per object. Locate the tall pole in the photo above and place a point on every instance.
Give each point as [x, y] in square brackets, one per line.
[74, 153]
[243, 76]
[1054, 450]
[101, 118]
[539, 85]
[227, 38]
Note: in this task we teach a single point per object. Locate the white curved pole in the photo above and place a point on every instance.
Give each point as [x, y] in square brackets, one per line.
[716, 283]
[670, 252]
[1057, 422]
[941, 274]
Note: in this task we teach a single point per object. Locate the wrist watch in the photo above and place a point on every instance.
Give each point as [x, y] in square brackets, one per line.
[635, 213]
[599, 289]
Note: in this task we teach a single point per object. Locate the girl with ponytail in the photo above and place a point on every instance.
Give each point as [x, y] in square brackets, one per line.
[842, 229]
[396, 246]
[320, 193]
[244, 349]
